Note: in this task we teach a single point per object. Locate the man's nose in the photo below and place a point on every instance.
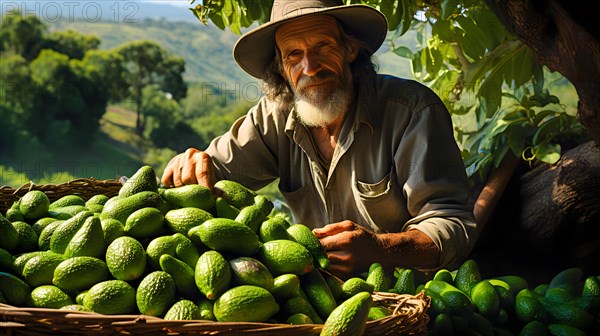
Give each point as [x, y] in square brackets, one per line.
[311, 64]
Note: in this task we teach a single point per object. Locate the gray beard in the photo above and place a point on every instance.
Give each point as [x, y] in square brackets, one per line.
[324, 110]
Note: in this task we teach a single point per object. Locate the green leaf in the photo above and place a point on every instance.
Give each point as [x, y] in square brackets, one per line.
[549, 153]
[516, 115]
[474, 140]
[217, 19]
[445, 80]
[417, 64]
[516, 136]
[547, 130]
[445, 30]
[245, 20]
[461, 110]
[540, 116]
[493, 61]
[490, 94]
[253, 9]
[500, 153]
[538, 78]
[498, 127]
[392, 11]
[197, 11]
[473, 41]
[481, 165]
[491, 31]
[408, 13]
[521, 67]
[403, 52]
[449, 7]
[436, 61]
[230, 14]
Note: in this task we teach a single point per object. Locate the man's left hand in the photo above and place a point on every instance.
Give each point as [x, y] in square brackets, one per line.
[350, 247]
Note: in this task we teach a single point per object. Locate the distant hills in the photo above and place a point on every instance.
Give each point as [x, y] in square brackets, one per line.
[206, 49]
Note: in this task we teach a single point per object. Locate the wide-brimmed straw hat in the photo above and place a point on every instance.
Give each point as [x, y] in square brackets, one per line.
[255, 50]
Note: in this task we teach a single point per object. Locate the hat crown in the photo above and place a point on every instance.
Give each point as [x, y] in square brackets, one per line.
[285, 9]
[254, 51]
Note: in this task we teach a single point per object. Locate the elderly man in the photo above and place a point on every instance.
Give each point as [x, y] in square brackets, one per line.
[369, 161]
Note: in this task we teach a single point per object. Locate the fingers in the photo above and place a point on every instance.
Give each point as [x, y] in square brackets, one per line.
[168, 176]
[204, 170]
[340, 241]
[334, 228]
[191, 167]
[341, 263]
[188, 166]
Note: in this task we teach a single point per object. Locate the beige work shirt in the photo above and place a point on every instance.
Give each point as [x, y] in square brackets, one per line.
[396, 166]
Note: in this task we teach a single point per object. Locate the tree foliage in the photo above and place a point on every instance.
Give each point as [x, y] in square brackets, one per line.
[67, 92]
[498, 95]
[146, 64]
[71, 43]
[21, 34]
[48, 91]
[56, 86]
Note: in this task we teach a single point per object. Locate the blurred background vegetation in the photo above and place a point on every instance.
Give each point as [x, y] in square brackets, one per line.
[82, 97]
[99, 96]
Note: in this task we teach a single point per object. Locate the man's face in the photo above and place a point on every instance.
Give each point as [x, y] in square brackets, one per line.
[316, 65]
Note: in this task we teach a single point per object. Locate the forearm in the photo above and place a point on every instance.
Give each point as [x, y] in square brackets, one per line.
[411, 248]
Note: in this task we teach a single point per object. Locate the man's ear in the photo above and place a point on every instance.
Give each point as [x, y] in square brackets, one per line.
[353, 50]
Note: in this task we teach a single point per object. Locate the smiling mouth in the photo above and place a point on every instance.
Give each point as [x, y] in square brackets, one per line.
[314, 83]
[317, 83]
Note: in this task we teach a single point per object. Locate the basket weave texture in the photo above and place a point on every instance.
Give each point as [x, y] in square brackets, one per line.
[409, 318]
[84, 187]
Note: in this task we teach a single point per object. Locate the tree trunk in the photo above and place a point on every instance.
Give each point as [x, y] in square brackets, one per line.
[139, 128]
[561, 202]
[546, 220]
[560, 42]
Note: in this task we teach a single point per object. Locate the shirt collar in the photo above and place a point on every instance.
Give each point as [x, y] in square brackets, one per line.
[291, 123]
[366, 98]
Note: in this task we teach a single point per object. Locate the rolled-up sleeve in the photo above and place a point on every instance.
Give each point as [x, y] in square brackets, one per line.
[247, 153]
[436, 186]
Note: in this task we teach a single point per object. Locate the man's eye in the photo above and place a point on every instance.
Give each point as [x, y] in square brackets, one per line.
[293, 53]
[323, 44]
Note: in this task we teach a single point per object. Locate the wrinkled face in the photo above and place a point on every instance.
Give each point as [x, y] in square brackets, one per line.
[317, 66]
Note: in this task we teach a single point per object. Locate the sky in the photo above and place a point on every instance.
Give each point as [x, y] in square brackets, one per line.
[94, 10]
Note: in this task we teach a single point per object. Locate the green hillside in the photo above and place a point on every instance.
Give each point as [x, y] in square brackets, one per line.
[205, 49]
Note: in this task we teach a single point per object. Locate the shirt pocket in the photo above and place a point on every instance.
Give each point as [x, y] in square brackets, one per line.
[381, 203]
[302, 203]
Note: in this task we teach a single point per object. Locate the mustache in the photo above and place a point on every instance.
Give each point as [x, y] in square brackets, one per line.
[321, 77]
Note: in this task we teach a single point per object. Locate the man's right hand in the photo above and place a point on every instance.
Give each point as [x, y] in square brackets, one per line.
[191, 167]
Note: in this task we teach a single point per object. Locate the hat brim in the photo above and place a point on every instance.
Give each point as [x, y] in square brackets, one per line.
[255, 50]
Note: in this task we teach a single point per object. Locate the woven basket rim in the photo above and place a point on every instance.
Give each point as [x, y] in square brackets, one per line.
[33, 186]
[84, 187]
[410, 319]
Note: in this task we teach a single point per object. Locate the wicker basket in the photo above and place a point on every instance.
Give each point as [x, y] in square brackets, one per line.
[84, 187]
[409, 318]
